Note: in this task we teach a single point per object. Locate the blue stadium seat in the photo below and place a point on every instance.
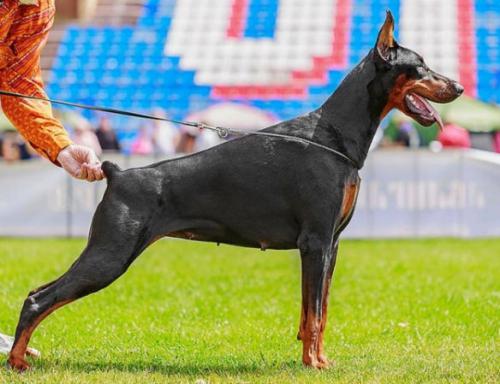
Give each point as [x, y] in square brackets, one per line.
[126, 66]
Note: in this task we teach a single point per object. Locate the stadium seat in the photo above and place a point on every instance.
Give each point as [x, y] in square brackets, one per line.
[285, 56]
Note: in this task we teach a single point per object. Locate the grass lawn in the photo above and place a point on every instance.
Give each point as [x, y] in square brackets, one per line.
[400, 312]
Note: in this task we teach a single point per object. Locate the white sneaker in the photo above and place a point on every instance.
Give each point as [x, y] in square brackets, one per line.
[6, 343]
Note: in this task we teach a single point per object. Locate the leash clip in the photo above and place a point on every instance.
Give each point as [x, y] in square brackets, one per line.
[222, 132]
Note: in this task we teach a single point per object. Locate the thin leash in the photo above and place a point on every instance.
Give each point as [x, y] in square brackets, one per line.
[222, 132]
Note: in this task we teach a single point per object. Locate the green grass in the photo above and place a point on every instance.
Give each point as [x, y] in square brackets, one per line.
[400, 312]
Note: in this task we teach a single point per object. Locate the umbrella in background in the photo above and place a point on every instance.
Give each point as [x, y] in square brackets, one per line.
[235, 116]
[471, 114]
[229, 115]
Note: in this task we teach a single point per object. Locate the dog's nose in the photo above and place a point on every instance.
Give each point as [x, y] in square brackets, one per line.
[458, 88]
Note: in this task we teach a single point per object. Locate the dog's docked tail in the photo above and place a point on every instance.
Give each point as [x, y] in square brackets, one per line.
[110, 169]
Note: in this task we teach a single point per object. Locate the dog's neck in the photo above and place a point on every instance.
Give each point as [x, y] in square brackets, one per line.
[350, 117]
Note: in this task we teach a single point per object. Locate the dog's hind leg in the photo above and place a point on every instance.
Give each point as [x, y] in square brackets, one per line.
[318, 261]
[113, 244]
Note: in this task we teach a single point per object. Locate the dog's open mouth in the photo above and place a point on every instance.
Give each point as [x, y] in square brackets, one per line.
[422, 111]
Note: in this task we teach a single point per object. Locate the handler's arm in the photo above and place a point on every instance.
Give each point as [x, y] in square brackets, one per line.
[20, 72]
[32, 118]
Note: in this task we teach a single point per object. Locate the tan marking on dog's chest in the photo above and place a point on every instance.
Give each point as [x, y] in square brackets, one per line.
[396, 94]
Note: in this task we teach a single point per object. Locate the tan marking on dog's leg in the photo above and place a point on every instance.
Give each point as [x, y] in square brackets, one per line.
[324, 309]
[310, 341]
[17, 354]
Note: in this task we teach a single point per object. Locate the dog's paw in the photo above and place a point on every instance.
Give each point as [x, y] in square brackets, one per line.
[320, 362]
[322, 359]
[18, 364]
[316, 364]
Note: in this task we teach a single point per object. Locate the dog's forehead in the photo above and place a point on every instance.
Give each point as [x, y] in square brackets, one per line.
[408, 56]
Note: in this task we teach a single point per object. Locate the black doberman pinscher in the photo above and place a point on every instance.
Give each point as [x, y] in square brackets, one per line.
[255, 191]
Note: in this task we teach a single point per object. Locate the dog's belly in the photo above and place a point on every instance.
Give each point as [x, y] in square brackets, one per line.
[279, 236]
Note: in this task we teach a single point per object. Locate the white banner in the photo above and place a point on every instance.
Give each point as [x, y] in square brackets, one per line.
[403, 194]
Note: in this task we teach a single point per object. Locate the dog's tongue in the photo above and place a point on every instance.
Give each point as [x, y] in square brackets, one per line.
[436, 116]
[432, 111]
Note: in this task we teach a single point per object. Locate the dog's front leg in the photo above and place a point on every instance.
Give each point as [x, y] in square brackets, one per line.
[318, 262]
[324, 306]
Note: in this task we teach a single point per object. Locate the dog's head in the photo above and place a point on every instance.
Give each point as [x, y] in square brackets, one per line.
[411, 82]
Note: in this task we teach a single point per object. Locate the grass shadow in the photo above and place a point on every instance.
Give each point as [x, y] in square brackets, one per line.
[167, 368]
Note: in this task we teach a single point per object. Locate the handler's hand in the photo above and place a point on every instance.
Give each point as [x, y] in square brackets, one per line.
[81, 162]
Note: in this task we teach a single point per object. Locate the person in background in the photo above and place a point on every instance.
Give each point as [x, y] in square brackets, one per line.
[24, 26]
[9, 150]
[13, 147]
[165, 135]
[402, 138]
[407, 135]
[496, 142]
[107, 136]
[187, 142]
[85, 136]
[143, 144]
[454, 136]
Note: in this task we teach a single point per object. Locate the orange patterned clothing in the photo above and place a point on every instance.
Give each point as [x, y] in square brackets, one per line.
[23, 33]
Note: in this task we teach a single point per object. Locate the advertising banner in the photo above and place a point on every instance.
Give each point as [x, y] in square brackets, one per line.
[403, 194]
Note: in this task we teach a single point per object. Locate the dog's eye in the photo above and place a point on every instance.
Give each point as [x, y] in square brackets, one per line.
[418, 71]
[422, 68]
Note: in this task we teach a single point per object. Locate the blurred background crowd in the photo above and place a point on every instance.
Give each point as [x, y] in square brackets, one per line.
[162, 139]
[159, 139]
[247, 64]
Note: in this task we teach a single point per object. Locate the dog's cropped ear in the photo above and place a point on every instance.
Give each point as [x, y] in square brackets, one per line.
[385, 40]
